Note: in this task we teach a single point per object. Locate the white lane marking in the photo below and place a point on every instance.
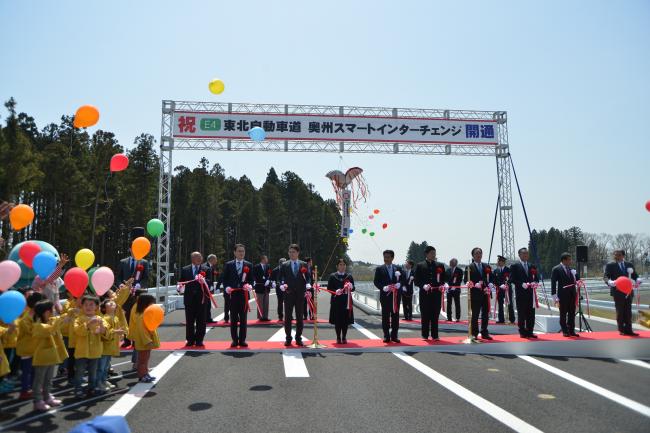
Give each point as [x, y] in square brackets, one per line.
[515, 423]
[128, 401]
[624, 401]
[294, 364]
[365, 332]
[636, 362]
[479, 402]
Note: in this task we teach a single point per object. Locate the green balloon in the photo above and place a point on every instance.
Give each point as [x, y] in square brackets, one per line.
[371, 233]
[155, 227]
[364, 231]
[90, 278]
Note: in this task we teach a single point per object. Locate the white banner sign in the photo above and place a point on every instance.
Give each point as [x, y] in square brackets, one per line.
[214, 125]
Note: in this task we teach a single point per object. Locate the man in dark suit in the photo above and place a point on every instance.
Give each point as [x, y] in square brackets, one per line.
[387, 277]
[407, 294]
[430, 277]
[563, 289]
[212, 277]
[623, 303]
[262, 277]
[479, 279]
[504, 290]
[275, 284]
[194, 298]
[295, 280]
[454, 278]
[525, 278]
[238, 280]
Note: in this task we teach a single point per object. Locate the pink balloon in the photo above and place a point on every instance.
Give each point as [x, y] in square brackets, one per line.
[102, 280]
[119, 162]
[9, 274]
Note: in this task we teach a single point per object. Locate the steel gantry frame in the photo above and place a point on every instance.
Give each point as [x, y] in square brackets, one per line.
[168, 144]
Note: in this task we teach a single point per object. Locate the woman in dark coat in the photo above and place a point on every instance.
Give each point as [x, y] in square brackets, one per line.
[341, 311]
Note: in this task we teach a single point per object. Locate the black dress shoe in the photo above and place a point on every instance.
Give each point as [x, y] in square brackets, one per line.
[523, 335]
[573, 334]
[287, 343]
[299, 342]
[425, 337]
[395, 340]
[531, 335]
[233, 344]
[486, 337]
[631, 334]
[199, 344]
[189, 343]
[338, 341]
[243, 344]
[386, 340]
[344, 341]
[566, 334]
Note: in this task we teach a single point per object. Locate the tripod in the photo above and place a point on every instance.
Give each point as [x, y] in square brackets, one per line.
[581, 317]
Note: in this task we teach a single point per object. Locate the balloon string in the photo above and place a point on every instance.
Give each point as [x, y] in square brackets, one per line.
[108, 203]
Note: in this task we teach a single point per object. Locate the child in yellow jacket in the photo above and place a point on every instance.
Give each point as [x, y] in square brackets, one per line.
[48, 353]
[143, 339]
[70, 312]
[116, 328]
[25, 345]
[8, 339]
[88, 330]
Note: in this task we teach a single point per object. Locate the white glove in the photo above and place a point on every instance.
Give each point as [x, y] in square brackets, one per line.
[248, 287]
[502, 287]
[630, 271]
[524, 285]
[307, 286]
[339, 292]
[137, 286]
[556, 298]
[283, 287]
[404, 289]
[267, 283]
[411, 278]
[386, 289]
[491, 286]
[446, 286]
[638, 282]
[273, 284]
[479, 285]
[228, 290]
[574, 272]
[180, 289]
[611, 283]
[217, 291]
[426, 287]
[398, 285]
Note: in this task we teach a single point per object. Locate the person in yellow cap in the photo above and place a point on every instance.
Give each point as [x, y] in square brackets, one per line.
[48, 353]
[88, 330]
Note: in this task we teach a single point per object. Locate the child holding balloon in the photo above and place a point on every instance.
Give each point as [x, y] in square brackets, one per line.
[88, 330]
[26, 344]
[144, 335]
[48, 353]
[115, 330]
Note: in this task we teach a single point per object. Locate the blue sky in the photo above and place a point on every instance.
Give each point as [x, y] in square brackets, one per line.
[572, 75]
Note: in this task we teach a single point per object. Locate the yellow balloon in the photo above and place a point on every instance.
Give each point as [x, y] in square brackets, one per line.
[84, 258]
[216, 86]
[140, 247]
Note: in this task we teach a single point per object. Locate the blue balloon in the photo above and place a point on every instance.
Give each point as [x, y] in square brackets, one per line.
[44, 264]
[257, 134]
[350, 231]
[12, 305]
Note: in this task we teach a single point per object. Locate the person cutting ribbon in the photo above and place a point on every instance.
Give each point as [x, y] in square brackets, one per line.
[388, 281]
[238, 281]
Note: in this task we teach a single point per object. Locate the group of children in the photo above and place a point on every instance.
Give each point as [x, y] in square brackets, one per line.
[80, 341]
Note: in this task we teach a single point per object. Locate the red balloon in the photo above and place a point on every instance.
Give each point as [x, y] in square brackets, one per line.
[76, 281]
[376, 211]
[624, 285]
[647, 205]
[384, 225]
[119, 162]
[28, 251]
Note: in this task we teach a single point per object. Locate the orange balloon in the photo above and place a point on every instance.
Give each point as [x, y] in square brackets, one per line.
[86, 116]
[21, 216]
[152, 317]
[140, 247]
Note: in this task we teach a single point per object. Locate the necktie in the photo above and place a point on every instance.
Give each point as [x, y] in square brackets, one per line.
[239, 267]
[132, 265]
[526, 267]
[480, 269]
[194, 271]
[295, 268]
[390, 271]
[622, 266]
